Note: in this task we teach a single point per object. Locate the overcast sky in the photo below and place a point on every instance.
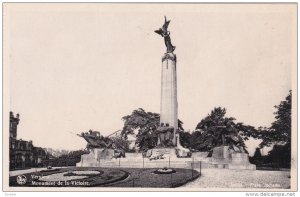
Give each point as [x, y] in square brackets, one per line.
[81, 67]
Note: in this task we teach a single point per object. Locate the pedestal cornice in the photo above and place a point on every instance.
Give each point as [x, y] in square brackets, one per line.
[170, 56]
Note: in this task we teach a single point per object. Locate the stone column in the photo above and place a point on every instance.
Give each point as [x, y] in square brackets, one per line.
[169, 105]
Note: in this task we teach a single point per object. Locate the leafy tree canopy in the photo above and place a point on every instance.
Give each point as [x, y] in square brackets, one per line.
[146, 124]
[216, 129]
[120, 143]
[280, 130]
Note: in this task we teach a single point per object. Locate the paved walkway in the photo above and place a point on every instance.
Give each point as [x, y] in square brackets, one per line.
[18, 172]
[225, 178]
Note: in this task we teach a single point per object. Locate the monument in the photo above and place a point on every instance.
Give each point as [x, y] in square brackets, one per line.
[102, 152]
[168, 100]
[168, 136]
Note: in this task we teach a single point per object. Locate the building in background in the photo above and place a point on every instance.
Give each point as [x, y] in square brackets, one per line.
[22, 154]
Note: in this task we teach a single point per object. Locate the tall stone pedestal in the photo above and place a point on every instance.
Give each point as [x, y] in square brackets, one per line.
[168, 104]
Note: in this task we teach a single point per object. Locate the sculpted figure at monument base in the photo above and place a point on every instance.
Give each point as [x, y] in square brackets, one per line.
[165, 135]
[95, 140]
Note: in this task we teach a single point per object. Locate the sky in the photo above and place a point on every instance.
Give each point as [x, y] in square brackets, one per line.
[77, 67]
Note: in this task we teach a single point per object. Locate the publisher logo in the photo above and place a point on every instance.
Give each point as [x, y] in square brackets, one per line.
[21, 179]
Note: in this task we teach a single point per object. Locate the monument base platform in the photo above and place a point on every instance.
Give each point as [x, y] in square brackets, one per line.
[93, 159]
[222, 158]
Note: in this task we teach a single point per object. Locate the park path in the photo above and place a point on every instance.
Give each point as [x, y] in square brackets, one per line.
[225, 178]
[18, 172]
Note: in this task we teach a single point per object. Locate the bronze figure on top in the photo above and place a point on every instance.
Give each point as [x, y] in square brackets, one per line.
[163, 31]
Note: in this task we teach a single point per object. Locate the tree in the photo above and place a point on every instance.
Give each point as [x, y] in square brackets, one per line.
[280, 130]
[199, 142]
[146, 123]
[217, 130]
[280, 155]
[257, 153]
[257, 158]
[185, 139]
[119, 143]
[70, 158]
[279, 134]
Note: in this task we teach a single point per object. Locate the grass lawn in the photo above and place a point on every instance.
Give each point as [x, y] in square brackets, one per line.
[105, 177]
[146, 178]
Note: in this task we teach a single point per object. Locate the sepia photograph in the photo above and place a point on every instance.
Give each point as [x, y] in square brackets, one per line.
[150, 97]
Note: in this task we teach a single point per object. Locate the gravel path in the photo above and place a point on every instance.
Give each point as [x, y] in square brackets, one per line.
[18, 172]
[225, 178]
